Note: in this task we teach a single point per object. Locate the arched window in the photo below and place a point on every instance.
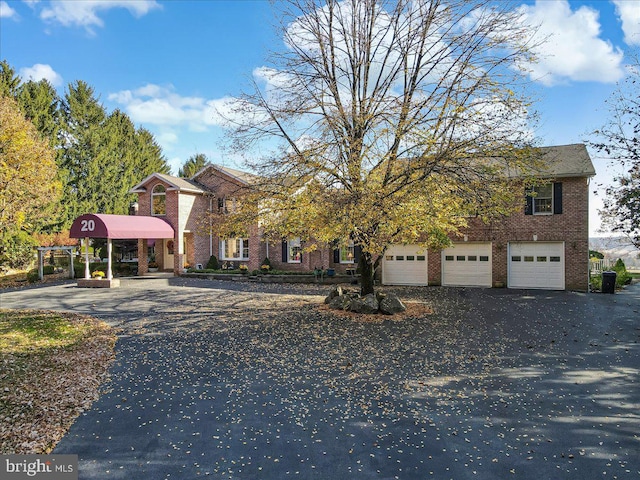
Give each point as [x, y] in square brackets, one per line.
[158, 200]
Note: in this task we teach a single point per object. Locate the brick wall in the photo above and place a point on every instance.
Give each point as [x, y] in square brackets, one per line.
[221, 186]
[144, 208]
[570, 227]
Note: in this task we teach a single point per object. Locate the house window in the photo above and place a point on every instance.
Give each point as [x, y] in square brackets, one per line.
[294, 250]
[234, 249]
[347, 253]
[543, 200]
[159, 200]
[227, 205]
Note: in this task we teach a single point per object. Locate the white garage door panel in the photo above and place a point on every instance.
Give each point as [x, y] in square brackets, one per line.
[467, 265]
[405, 265]
[536, 265]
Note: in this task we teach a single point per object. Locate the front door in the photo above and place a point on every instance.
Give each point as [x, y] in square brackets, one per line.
[168, 249]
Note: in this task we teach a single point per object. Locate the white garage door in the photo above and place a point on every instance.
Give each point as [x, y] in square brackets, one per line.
[467, 265]
[536, 265]
[405, 265]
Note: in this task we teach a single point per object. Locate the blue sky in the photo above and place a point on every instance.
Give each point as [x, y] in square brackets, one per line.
[168, 64]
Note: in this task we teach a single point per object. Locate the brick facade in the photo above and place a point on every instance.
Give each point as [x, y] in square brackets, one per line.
[187, 211]
[571, 227]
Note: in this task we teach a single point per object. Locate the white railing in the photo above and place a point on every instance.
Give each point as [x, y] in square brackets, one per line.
[599, 265]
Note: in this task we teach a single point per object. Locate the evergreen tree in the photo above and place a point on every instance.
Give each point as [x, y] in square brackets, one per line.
[41, 105]
[100, 156]
[9, 81]
[116, 158]
[83, 120]
[149, 157]
[193, 165]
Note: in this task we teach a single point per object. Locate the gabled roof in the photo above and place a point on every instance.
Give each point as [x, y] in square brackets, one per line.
[175, 183]
[239, 175]
[567, 161]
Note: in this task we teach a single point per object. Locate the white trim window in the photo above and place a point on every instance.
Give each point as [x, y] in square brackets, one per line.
[159, 200]
[227, 205]
[543, 200]
[234, 249]
[347, 253]
[294, 250]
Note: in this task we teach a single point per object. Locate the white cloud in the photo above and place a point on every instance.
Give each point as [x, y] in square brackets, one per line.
[629, 13]
[39, 72]
[85, 13]
[6, 11]
[158, 105]
[573, 50]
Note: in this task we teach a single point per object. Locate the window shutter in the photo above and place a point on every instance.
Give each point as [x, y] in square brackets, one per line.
[557, 198]
[336, 255]
[528, 208]
[285, 248]
[357, 251]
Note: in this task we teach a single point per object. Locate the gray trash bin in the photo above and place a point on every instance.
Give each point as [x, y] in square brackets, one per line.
[608, 282]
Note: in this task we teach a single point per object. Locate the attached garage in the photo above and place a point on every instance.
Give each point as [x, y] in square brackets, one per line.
[405, 265]
[467, 265]
[536, 265]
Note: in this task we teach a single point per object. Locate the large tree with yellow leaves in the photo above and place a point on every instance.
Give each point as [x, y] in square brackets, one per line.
[27, 171]
[385, 122]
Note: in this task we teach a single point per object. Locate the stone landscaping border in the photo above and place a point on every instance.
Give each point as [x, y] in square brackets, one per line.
[271, 278]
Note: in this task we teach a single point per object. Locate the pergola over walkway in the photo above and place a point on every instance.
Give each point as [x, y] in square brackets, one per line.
[69, 249]
[117, 227]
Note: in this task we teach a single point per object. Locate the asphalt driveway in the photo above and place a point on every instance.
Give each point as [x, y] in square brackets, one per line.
[248, 381]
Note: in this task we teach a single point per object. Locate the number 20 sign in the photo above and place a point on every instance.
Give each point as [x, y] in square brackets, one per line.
[87, 225]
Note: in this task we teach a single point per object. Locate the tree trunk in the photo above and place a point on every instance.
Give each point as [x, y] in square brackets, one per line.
[367, 270]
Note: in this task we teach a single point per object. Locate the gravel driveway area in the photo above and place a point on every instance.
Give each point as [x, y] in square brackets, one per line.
[251, 381]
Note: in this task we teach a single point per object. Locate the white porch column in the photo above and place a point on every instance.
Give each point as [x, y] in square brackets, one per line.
[87, 274]
[109, 249]
[72, 272]
[40, 265]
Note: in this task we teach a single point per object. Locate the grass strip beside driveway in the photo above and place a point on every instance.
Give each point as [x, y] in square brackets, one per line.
[51, 367]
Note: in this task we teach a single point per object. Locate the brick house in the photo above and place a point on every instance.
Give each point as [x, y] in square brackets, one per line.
[545, 245]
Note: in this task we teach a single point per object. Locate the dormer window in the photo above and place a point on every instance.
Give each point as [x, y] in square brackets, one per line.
[159, 200]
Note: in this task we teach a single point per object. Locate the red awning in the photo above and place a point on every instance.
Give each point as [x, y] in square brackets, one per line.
[120, 226]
